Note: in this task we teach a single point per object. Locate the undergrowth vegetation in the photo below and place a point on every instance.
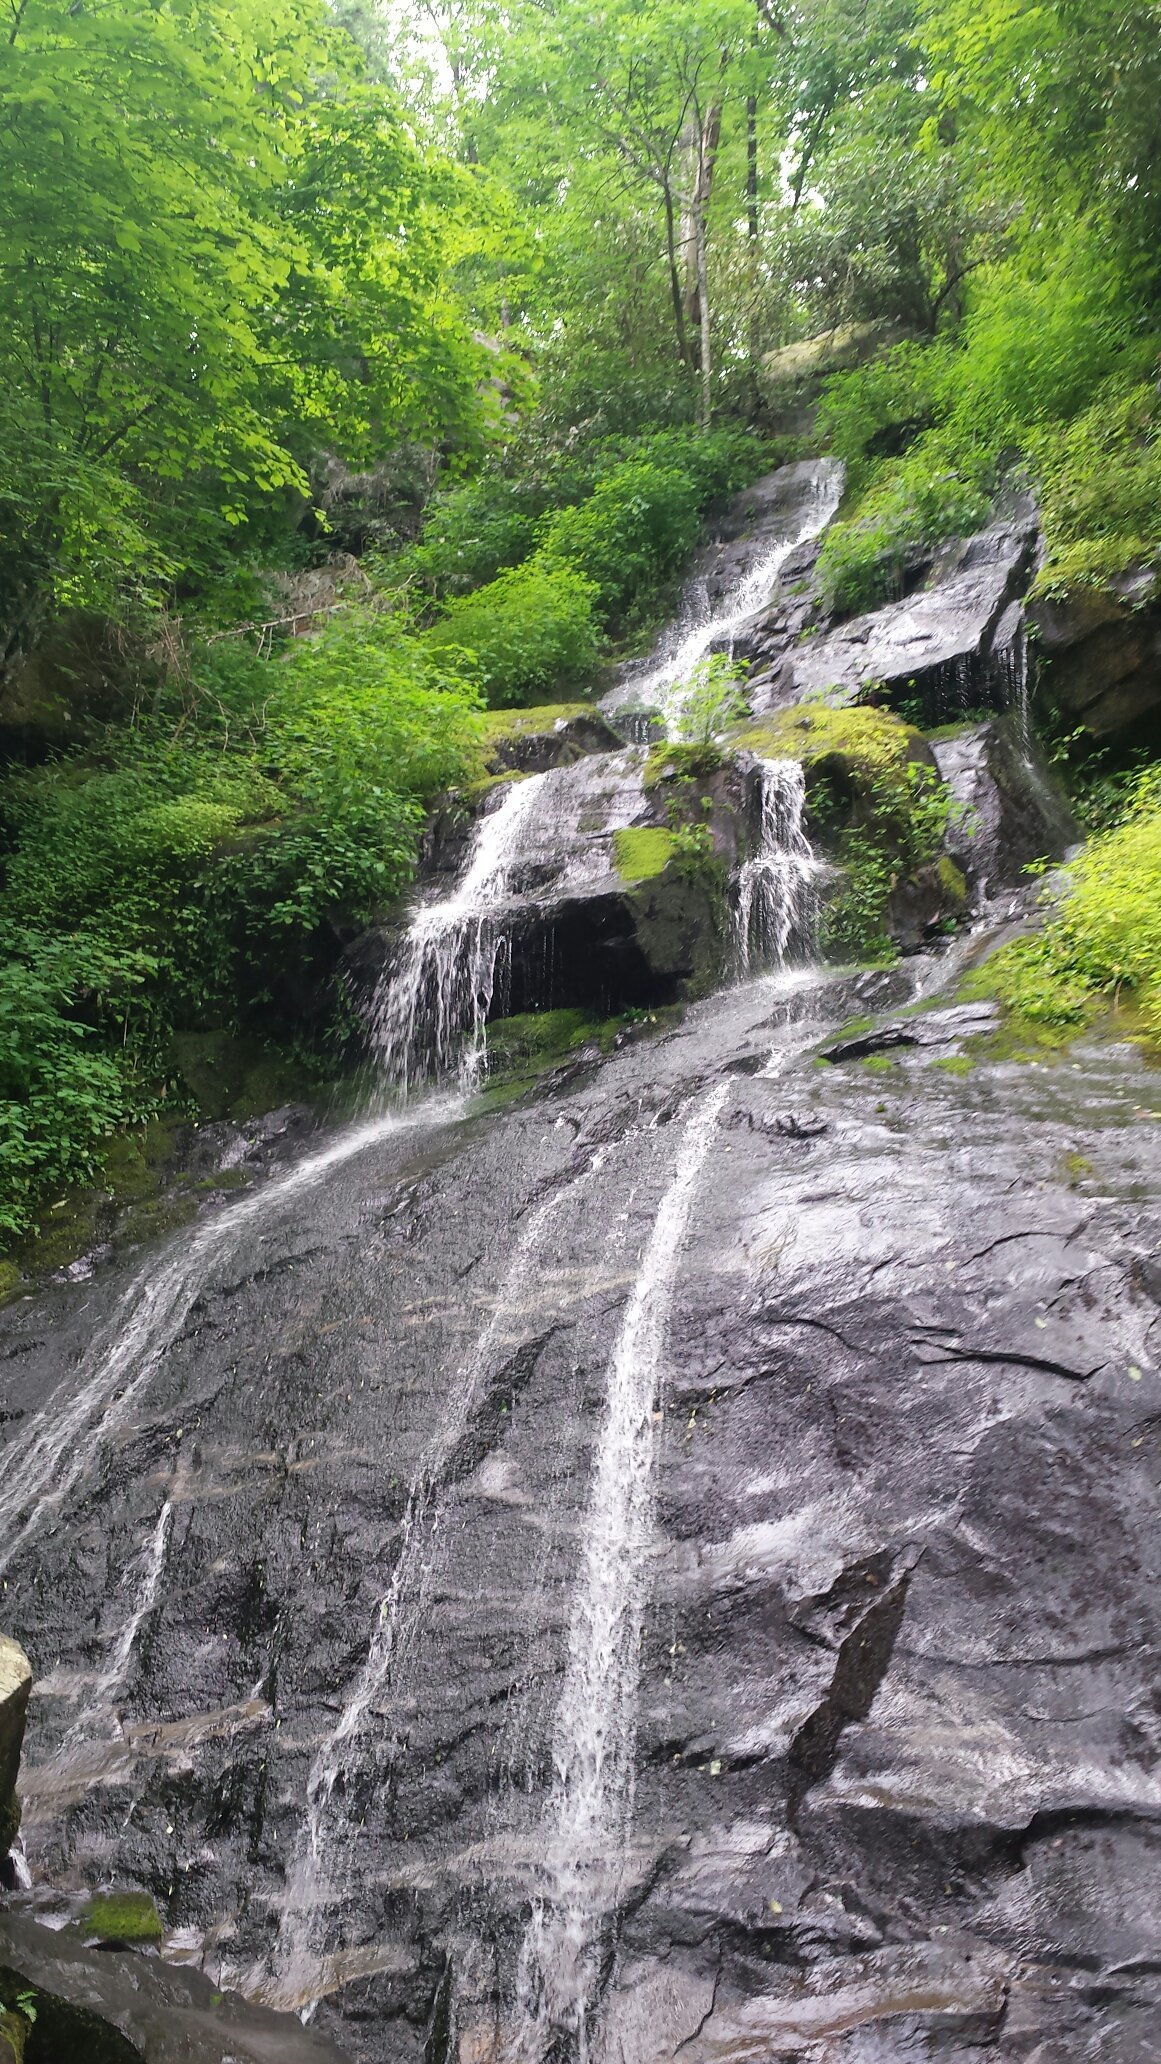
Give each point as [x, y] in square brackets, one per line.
[1102, 941]
[1048, 379]
[198, 868]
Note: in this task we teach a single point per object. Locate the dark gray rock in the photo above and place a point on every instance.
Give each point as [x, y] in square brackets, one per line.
[940, 647]
[1102, 652]
[896, 1741]
[15, 1685]
[97, 2006]
[532, 749]
[1012, 810]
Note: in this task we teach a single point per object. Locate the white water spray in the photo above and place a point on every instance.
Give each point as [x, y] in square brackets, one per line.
[590, 1805]
[775, 908]
[63, 1440]
[430, 1011]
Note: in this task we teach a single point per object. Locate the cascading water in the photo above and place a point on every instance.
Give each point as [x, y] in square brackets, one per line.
[590, 1805]
[63, 1443]
[430, 1010]
[662, 687]
[298, 1973]
[775, 909]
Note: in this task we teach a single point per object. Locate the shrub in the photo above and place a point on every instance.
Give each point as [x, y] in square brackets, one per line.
[188, 876]
[1105, 937]
[531, 633]
[633, 532]
[471, 534]
[1100, 482]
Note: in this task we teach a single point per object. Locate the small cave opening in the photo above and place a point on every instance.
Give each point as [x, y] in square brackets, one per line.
[582, 956]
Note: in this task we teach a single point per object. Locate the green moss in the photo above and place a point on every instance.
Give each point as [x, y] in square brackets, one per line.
[952, 881]
[122, 1917]
[853, 1027]
[1076, 1168]
[539, 1036]
[238, 1078]
[880, 1064]
[955, 1064]
[642, 852]
[499, 724]
[477, 792]
[874, 741]
[11, 1280]
[672, 761]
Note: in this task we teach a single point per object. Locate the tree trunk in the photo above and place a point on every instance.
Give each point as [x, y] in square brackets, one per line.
[674, 275]
[704, 310]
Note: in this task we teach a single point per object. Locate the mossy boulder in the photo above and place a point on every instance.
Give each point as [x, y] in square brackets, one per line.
[875, 805]
[121, 1920]
[530, 741]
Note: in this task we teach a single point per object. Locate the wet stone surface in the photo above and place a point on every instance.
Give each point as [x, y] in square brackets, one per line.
[896, 1726]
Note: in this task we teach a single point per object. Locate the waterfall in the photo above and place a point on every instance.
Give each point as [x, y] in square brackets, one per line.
[775, 909]
[1021, 689]
[662, 687]
[63, 1441]
[297, 1975]
[429, 1013]
[590, 1806]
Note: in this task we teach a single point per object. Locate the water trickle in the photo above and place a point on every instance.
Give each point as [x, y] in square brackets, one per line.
[429, 1012]
[299, 1970]
[589, 1810]
[704, 630]
[775, 910]
[63, 1441]
[1021, 689]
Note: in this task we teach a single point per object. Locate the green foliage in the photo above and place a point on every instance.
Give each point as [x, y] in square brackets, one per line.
[710, 701]
[1046, 370]
[634, 531]
[1100, 479]
[196, 869]
[530, 633]
[209, 258]
[1103, 938]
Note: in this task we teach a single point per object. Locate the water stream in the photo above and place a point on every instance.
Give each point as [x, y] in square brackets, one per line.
[300, 1970]
[775, 911]
[63, 1443]
[703, 629]
[588, 1814]
[429, 1012]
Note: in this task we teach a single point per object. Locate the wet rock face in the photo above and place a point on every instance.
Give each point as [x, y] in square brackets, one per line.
[895, 1734]
[1102, 648]
[15, 1685]
[110, 2008]
[944, 646]
[1011, 808]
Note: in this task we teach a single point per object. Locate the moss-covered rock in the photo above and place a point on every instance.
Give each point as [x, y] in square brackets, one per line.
[642, 852]
[122, 1920]
[876, 805]
[551, 735]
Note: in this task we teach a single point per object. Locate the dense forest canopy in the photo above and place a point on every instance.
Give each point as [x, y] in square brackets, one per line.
[430, 331]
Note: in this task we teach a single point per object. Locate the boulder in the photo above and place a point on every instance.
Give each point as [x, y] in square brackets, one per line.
[108, 2007]
[944, 648]
[1102, 648]
[15, 1685]
[528, 741]
[1012, 808]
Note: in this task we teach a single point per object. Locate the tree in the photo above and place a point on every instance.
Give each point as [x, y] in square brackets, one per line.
[210, 235]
